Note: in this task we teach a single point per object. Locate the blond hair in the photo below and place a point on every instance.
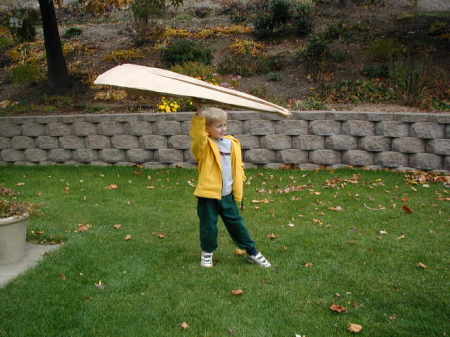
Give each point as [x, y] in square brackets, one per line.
[213, 115]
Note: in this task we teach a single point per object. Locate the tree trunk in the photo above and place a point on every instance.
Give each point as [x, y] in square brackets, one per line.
[58, 77]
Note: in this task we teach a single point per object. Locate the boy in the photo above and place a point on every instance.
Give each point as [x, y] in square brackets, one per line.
[220, 185]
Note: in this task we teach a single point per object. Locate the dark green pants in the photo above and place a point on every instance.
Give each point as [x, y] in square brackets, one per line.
[208, 211]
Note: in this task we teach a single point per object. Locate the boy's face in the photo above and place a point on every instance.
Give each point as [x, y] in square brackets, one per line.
[217, 129]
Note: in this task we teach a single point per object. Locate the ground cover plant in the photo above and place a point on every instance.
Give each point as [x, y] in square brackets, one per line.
[345, 55]
[368, 248]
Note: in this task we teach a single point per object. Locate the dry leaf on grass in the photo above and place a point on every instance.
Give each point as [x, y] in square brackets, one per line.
[272, 236]
[237, 292]
[112, 187]
[184, 325]
[355, 328]
[336, 209]
[240, 252]
[338, 308]
[407, 209]
[422, 265]
[127, 237]
[83, 228]
[117, 226]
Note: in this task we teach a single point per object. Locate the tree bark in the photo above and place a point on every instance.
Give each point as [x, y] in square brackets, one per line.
[58, 77]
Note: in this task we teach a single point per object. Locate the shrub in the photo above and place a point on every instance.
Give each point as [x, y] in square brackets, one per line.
[408, 75]
[5, 43]
[22, 22]
[247, 58]
[124, 55]
[198, 70]
[72, 32]
[274, 76]
[281, 17]
[302, 19]
[309, 103]
[26, 74]
[182, 51]
[376, 70]
[385, 50]
[315, 54]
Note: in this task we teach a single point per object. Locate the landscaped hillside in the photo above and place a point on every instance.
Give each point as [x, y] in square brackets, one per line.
[305, 55]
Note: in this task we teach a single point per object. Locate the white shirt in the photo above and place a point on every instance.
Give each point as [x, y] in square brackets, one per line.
[227, 172]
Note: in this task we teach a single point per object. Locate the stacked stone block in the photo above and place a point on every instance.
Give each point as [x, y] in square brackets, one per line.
[307, 140]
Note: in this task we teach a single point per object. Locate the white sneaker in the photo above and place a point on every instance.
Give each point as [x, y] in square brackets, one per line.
[259, 259]
[206, 260]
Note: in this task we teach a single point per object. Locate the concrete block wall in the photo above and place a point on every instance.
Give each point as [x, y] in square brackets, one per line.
[307, 140]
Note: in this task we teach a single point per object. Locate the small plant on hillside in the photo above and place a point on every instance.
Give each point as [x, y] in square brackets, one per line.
[281, 17]
[385, 50]
[247, 58]
[21, 23]
[72, 32]
[315, 54]
[182, 51]
[124, 55]
[198, 70]
[175, 105]
[26, 74]
[408, 75]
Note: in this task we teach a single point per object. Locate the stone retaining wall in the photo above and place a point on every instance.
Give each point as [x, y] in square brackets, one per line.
[307, 140]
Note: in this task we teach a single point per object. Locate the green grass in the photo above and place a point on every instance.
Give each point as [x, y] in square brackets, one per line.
[364, 257]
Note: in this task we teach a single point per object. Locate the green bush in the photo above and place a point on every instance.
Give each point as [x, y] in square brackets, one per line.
[274, 76]
[282, 17]
[384, 50]
[302, 19]
[196, 69]
[376, 70]
[22, 22]
[5, 43]
[182, 51]
[72, 32]
[408, 76]
[26, 74]
[249, 65]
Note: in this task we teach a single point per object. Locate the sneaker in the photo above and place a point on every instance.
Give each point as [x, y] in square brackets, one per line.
[259, 259]
[206, 260]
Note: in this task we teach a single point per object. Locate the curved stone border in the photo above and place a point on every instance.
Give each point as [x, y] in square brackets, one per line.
[309, 139]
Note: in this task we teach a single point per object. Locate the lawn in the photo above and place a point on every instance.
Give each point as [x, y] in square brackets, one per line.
[373, 243]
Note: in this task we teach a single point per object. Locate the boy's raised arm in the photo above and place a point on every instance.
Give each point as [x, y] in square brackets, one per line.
[198, 134]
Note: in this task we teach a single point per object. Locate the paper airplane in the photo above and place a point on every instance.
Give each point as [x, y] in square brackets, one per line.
[168, 82]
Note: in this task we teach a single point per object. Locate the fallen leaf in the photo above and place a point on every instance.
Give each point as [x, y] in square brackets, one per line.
[20, 184]
[112, 187]
[338, 308]
[117, 226]
[422, 265]
[161, 235]
[62, 276]
[444, 198]
[83, 228]
[184, 325]
[355, 328]
[403, 236]
[407, 209]
[382, 232]
[263, 201]
[308, 265]
[150, 187]
[240, 252]
[66, 189]
[237, 292]
[291, 225]
[127, 237]
[336, 209]
[272, 236]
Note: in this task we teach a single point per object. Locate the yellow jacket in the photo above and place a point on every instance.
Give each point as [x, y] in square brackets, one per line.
[207, 153]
